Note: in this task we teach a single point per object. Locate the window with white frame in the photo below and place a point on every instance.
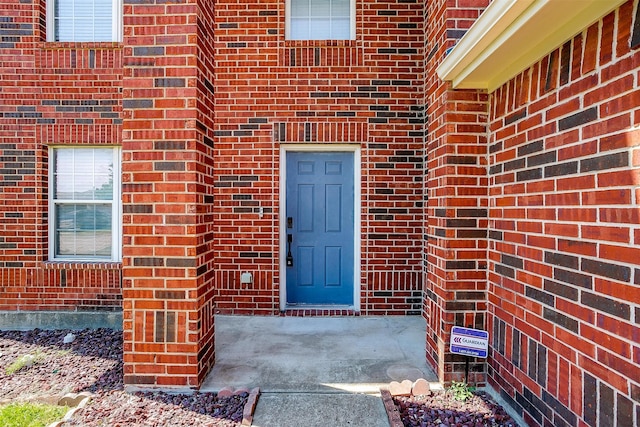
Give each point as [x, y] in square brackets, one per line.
[84, 204]
[320, 19]
[84, 20]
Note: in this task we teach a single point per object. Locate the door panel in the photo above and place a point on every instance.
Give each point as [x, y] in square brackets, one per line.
[333, 203]
[333, 265]
[320, 191]
[305, 208]
[304, 266]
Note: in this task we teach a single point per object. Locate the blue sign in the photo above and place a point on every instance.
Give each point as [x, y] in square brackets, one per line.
[469, 342]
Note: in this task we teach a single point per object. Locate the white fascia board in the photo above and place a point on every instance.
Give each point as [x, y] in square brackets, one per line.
[510, 35]
[493, 22]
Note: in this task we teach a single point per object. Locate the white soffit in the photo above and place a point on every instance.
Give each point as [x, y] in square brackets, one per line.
[510, 35]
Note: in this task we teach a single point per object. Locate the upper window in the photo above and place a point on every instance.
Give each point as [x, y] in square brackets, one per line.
[84, 20]
[84, 204]
[321, 19]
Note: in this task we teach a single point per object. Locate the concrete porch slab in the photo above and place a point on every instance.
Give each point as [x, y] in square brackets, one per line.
[317, 354]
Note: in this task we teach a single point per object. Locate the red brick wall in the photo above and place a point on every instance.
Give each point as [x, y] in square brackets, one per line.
[456, 184]
[51, 93]
[269, 92]
[205, 250]
[167, 193]
[531, 218]
[564, 245]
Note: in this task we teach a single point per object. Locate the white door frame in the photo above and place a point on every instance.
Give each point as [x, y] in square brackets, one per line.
[357, 218]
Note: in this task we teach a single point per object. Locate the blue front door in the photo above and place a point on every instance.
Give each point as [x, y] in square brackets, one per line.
[319, 226]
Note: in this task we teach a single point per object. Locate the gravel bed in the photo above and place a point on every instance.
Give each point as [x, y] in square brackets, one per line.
[160, 409]
[93, 362]
[440, 409]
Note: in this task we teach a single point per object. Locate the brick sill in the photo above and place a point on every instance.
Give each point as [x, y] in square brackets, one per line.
[320, 43]
[80, 45]
[81, 265]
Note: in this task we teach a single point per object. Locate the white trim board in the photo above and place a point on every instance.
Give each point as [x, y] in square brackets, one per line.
[510, 35]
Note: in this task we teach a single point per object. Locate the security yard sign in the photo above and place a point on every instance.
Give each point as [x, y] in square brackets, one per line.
[469, 342]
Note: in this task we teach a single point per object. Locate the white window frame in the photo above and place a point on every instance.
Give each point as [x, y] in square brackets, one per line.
[352, 22]
[116, 23]
[116, 208]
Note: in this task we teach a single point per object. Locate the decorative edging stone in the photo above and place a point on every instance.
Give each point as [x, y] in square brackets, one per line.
[390, 407]
[404, 388]
[249, 407]
[75, 401]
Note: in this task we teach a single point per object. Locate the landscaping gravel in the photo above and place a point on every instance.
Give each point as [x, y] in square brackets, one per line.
[161, 409]
[440, 409]
[93, 362]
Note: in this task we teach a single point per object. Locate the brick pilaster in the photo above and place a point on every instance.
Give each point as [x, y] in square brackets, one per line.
[456, 180]
[168, 319]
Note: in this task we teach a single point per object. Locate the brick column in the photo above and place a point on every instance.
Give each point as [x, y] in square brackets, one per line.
[167, 278]
[456, 180]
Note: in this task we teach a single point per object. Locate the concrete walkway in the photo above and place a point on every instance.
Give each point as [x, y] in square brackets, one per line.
[318, 371]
